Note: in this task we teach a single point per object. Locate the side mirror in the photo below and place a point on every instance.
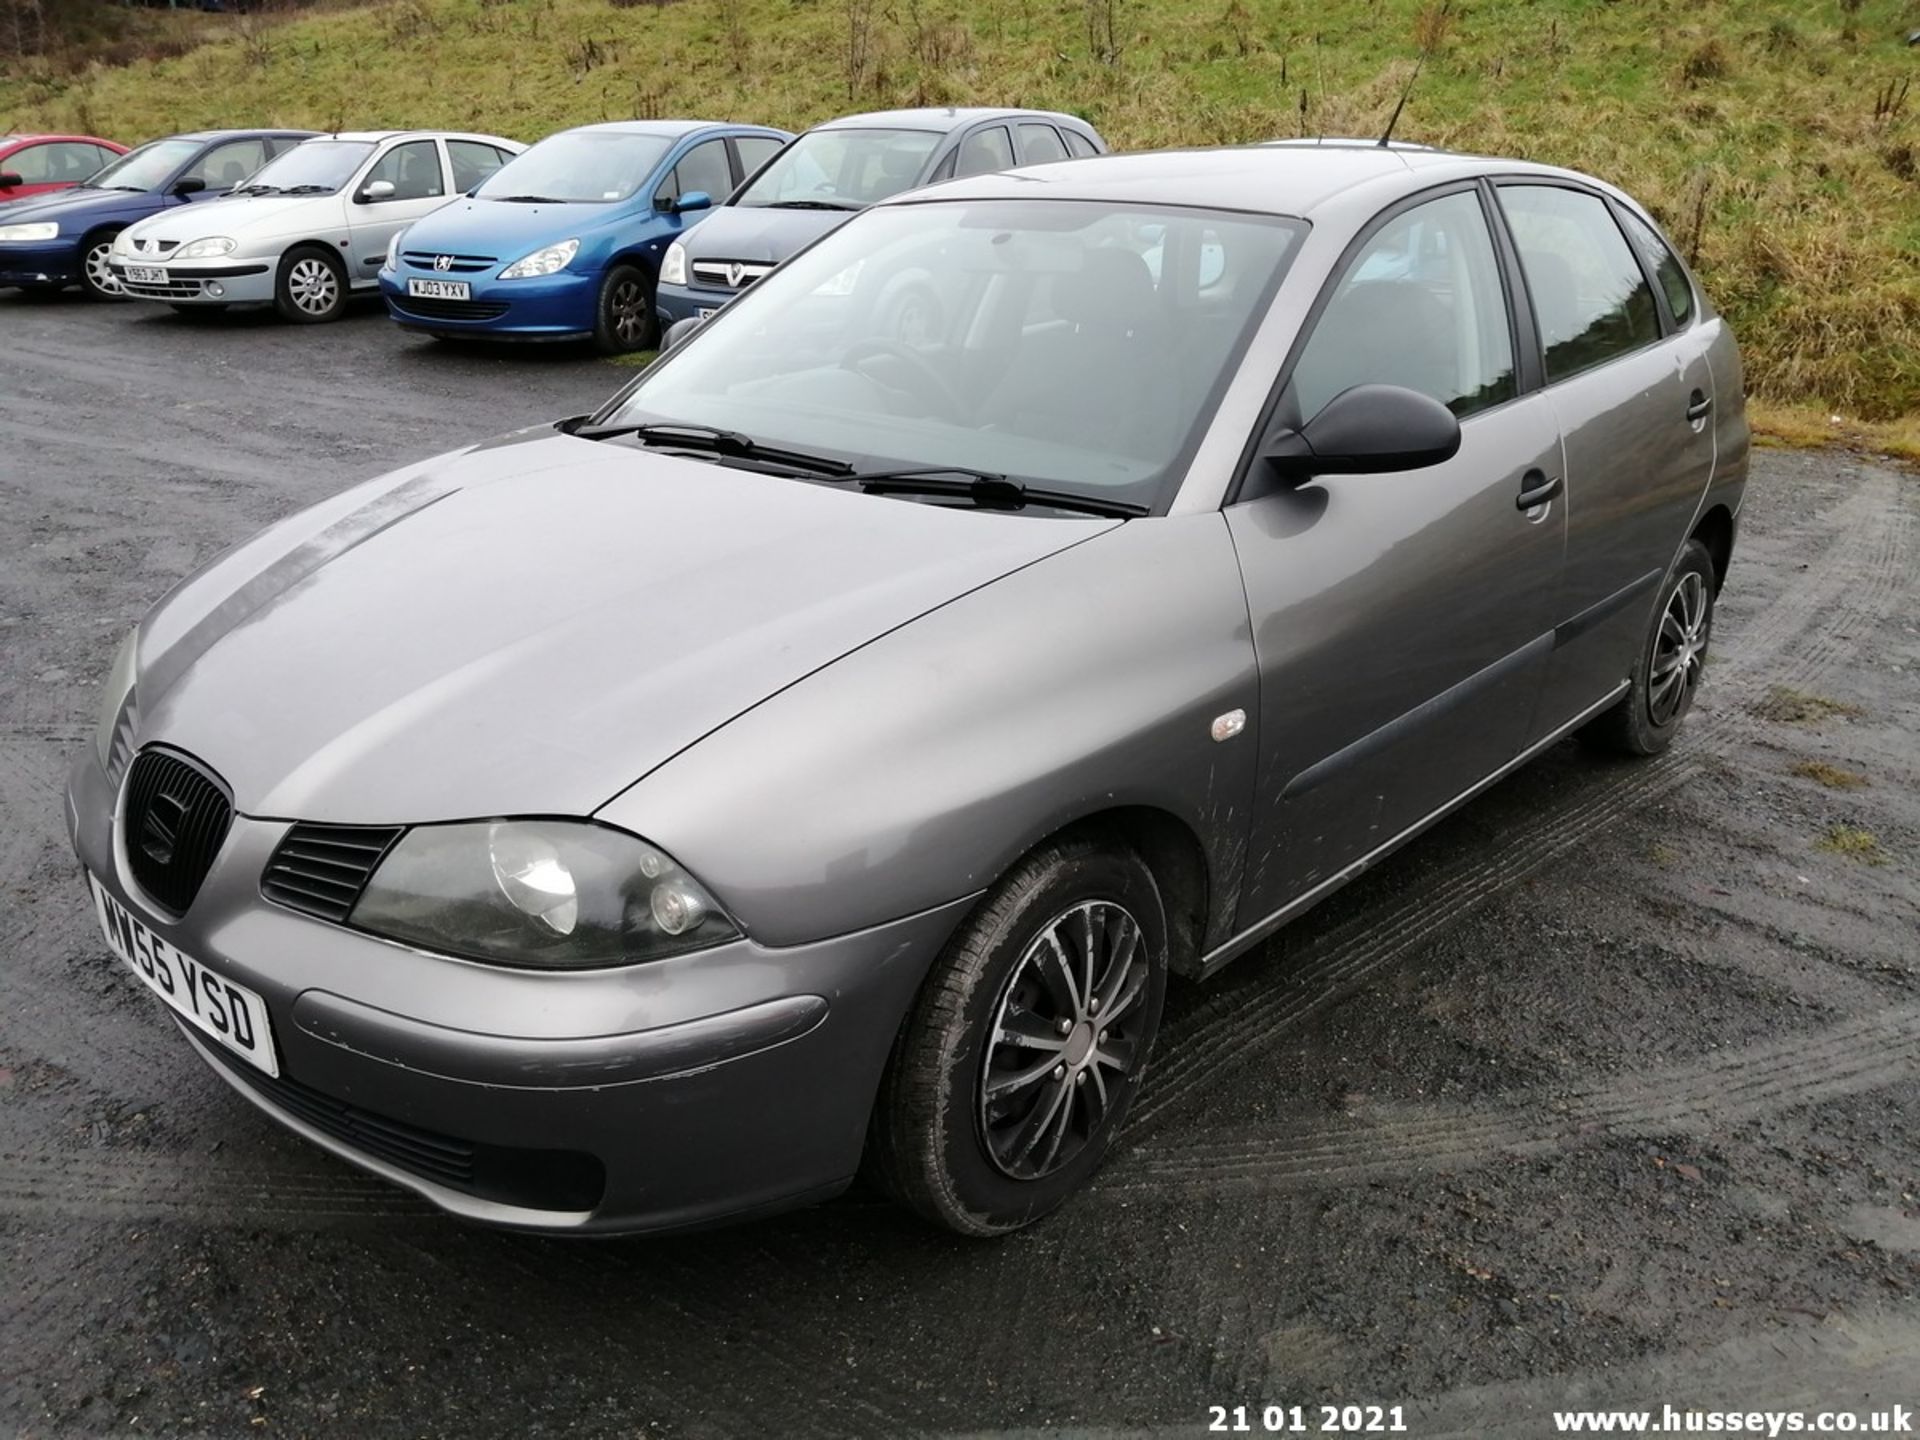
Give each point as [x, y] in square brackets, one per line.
[376, 191]
[692, 200]
[192, 185]
[678, 332]
[1368, 430]
[8, 180]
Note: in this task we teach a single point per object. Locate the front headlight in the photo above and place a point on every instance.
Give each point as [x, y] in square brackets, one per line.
[542, 262]
[203, 249]
[673, 269]
[46, 230]
[116, 701]
[547, 894]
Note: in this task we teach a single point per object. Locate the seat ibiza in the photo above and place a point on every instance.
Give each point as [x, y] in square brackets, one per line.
[822, 755]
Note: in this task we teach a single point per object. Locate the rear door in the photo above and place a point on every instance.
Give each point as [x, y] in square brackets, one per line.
[1631, 391]
[417, 172]
[1401, 621]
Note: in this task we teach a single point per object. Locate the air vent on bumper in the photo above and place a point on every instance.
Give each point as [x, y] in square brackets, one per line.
[320, 870]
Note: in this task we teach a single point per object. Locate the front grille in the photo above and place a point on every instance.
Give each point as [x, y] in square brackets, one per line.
[321, 869]
[426, 309]
[456, 264]
[172, 290]
[156, 247]
[506, 1174]
[730, 274]
[177, 817]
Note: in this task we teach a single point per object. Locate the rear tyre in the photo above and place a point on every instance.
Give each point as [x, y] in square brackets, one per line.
[1667, 675]
[96, 275]
[1027, 1042]
[623, 317]
[311, 287]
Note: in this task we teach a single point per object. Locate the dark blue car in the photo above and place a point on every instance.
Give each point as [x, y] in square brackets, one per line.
[63, 238]
[565, 241]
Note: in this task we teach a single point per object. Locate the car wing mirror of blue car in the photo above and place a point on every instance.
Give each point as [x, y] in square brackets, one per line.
[191, 185]
[692, 200]
[1368, 430]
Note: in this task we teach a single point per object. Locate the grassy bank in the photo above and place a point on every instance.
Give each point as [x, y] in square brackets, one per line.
[1775, 138]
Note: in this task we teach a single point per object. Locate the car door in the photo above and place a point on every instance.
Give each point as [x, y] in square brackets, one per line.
[1401, 621]
[1631, 391]
[46, 167]
[416, 171]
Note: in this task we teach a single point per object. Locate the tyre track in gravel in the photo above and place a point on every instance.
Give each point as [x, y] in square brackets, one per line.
[1860, 574]
[1856, 1055]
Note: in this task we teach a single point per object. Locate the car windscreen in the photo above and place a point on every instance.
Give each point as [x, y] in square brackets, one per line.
[312, 167]
[577, 167]
[146, 167]
[1071, 345]
[841, 169]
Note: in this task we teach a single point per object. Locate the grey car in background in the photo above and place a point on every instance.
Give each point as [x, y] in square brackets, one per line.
[821, 757]
[836, 170]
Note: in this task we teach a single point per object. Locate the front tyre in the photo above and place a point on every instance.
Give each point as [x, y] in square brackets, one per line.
[311, 287]
[623, 318]
[1666, 677]
[1027, 1041]
[96, 275]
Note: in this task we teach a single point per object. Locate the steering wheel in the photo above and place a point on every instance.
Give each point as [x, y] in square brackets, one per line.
[925, 383]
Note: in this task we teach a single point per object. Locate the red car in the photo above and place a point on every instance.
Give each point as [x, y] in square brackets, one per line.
[35, 164]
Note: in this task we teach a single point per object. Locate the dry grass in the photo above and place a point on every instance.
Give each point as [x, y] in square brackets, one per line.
[1831, 776]
[1802, 426]
[1774, 138]
[1798, 707]
[1854, 843]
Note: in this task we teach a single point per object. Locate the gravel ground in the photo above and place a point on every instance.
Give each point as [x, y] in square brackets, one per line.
[1604, 1089]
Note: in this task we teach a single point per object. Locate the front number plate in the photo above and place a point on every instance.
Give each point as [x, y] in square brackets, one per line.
[440, 289]
[147, 274]
[231, 1014]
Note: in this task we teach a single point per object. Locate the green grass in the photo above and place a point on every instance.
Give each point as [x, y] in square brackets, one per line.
[1853, 843]
[1761, 132]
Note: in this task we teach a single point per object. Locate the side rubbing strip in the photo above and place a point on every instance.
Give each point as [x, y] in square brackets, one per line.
[1398, 728]
[1574, 628]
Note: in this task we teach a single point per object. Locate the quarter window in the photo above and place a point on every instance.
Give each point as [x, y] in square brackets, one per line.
[472, 162]
[413, 169]
[1420, 306]
[1665, 266]
[985, 151]
[1080, 145]
[1590, 299]
[225, 166]
[1040, 143]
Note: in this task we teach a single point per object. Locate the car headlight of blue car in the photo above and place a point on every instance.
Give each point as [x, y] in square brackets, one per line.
[46, 230]
[542, 262]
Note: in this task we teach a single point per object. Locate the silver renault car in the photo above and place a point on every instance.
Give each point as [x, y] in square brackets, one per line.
[821, 756]
[309, 228]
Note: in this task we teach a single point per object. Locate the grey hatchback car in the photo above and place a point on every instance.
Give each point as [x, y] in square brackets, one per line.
[820, 758]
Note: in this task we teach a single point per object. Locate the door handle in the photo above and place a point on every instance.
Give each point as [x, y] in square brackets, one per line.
[1698, 404]
[1536, 488]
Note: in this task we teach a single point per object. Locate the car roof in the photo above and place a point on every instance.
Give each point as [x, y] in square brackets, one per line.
[943, 119]
[1279, 178]
[229, 134]
[377, 136]
[666, 129]
[24, 138]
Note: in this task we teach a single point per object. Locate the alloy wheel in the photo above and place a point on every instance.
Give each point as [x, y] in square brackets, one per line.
[100, 277]
[1066, 1037]
[627, 309]
[1679, 650]
[313, 286]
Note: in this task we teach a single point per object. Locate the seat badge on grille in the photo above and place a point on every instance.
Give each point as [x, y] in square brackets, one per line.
[160, 829]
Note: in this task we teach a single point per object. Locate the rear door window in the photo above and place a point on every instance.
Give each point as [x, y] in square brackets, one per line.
[755, 151]
[1040, 143]
[472, 162]
[1590, 299]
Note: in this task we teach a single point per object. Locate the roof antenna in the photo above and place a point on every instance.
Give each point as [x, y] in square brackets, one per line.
[1435, 28]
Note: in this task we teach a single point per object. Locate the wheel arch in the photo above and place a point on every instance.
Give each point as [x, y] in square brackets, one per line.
[1173, 852]
[1715, 532]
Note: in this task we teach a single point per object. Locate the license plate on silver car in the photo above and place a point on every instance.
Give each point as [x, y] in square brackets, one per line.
[147, 274]
[439, 289]
[230, 1014]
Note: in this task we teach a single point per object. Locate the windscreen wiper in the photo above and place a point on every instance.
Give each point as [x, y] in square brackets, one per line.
[256, 190]
[988, 491]
[808, 205]
[716, 442]
[310, 189]
[526, 199]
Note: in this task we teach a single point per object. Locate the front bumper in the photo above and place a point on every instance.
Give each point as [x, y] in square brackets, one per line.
[656, 1096]
[52, 263]
[547, 307]
[681, 302]
[222, 281]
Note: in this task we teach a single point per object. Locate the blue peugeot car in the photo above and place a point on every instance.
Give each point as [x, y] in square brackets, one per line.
[62, 239]
[565, 241]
